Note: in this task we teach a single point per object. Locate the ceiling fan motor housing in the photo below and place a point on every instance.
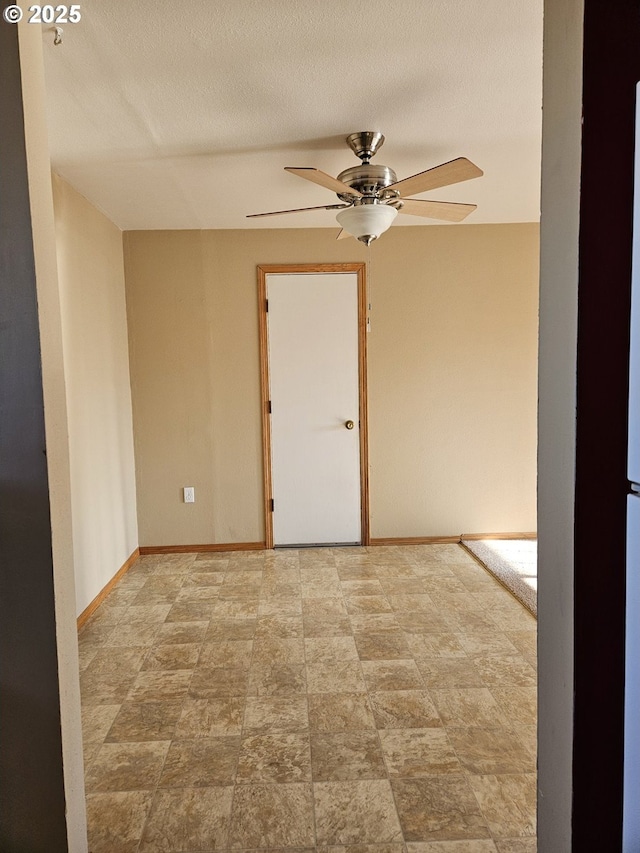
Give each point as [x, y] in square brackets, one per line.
[368, 179]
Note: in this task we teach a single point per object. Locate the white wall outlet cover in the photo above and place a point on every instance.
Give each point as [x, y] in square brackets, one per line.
[189, 494]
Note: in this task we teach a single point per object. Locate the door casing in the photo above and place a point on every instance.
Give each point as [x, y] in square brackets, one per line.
[284, 269]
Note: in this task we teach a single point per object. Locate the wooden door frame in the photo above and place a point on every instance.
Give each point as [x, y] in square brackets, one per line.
[291, 269]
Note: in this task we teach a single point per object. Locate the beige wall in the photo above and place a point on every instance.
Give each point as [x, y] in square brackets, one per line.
[452, 377]
[94, 326]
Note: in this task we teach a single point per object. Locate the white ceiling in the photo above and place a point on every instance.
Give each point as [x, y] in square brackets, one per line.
[183, 114]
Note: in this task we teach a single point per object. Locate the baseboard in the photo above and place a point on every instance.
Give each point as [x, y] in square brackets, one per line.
[499, 536]
[416, 540]
[146, 550]
[100, 597]
[448, 540]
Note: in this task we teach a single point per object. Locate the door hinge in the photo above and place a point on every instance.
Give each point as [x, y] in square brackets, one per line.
[272, 504]
[269, 406]
[266, 305]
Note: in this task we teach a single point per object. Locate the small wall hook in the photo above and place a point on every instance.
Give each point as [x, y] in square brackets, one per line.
[57, 39]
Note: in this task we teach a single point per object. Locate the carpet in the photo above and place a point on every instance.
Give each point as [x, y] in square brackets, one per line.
[513, 562]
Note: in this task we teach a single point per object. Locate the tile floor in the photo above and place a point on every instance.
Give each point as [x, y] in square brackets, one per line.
[324, 698]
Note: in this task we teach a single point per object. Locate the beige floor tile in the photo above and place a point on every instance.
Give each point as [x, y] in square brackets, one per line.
[462, 621]
[488, 751]
[505, 670]
[268, 714]
[449, 672]
[438, 808]
[276, 650]
[374, 623]
[392, 675]
[86, 653]
[279, 626]
[191, 611]
[339, 712]
[155, 686]
[436, 646]
[323, 607]
[469, 706]
[402, 586]
[141, 721]
[467, 846]
[156, 613]
[404, 709]
[252, 820]
[412, 603]
[365, 604]
[230, 630]
[358, 571]
[486, 642]
[210, 717]
[245, 608]
[361, 587]
[218, 682]
[418, 752]
[282, 589]
[203, 579]
[280, 607]
[207, 762]
[126, 766]
[181, 633]
[345, 677]
[438, 585]
[330, 650]
[115, 820]
[508, 803]
[279, 679]
[423, 622]
[228, 654]
[338, 756]
[121, 662]
[188, 819]
[355, 812]
[526, 643]
[96, 722]
[517, 845]
[278, 697]
[326, 626]
[519, 704]
[135, 634]
[172, 656]
[321, 589]
[387, 646]
[280, 757]
[198, 593]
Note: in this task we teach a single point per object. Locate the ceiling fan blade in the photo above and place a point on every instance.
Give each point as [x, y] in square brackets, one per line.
[449, 210]
[440, 176]
[299, 210]
[342, 234]
[324, 180]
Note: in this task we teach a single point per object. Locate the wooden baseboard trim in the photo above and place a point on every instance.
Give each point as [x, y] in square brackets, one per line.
[146, 550]
[471, 536]
[416, 540]
[448, 540]
[100, 597]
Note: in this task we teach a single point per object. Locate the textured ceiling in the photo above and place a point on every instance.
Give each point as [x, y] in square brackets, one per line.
[183, 114]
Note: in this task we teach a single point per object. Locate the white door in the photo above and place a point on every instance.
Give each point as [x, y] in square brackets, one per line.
[312, 327]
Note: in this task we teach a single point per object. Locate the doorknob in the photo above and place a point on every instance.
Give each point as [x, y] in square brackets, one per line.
[349, 424]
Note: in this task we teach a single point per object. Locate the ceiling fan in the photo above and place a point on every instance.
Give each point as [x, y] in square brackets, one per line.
[372, 195]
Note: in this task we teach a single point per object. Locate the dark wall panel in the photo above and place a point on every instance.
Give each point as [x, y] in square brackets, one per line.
[32, 804]
[611, 70]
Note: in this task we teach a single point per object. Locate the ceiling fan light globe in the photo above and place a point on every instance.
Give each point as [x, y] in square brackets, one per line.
[366, 222]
